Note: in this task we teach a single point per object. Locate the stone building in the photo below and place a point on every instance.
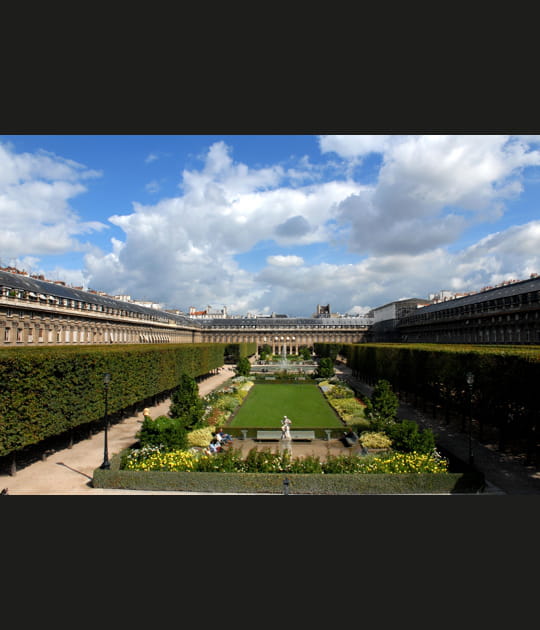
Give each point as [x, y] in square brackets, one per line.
[507, 314]
[36, 312]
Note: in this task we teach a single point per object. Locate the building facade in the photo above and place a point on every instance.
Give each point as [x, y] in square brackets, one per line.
[508, 314]
[35, 312]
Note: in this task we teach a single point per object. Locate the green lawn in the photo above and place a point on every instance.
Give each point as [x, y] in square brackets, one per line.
[266, 405]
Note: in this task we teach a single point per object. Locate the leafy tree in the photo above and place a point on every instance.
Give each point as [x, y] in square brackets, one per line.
[325, 368]
[304, 352]
[243, 367]
[407, 436]
[381, 408]
[186, 404]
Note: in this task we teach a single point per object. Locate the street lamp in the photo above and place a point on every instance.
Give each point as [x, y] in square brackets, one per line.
[106, 464]
[286, 486]
[470, 381]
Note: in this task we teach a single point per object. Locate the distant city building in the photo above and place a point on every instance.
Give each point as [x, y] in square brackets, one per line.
[208, 313]
[148, 304]
[397, 309]
[323, 310]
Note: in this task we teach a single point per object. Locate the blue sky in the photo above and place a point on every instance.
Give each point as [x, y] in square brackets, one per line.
[272, 223]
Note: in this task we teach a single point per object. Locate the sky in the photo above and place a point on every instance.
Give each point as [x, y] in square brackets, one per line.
[272, 223]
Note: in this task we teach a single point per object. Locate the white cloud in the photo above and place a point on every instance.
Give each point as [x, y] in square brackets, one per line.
[152, 187]
[511, 254]
[190, 242]
[285, 261]
[430, 188]
[351, 146]
[35, 212]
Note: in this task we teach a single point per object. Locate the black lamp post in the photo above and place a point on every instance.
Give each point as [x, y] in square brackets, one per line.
[470, 381]
[106, 380]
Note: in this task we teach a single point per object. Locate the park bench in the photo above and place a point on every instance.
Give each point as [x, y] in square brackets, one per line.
[295, 435]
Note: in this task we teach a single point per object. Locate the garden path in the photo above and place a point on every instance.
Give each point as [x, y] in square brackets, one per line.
[69, 471]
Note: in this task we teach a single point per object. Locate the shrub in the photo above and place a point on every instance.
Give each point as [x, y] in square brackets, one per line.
[344, 464]
[351, 411]
[406, 463]
[167, 433]
[200, 437]
[373, 439]
[407, 437]
[340, 391]
[173, 461]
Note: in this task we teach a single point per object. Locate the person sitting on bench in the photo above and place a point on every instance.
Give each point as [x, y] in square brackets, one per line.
[350, 438]
[223, 437]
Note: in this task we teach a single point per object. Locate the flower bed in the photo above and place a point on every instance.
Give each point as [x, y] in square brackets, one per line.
[343, 399]
[268, 462]
[300, 483]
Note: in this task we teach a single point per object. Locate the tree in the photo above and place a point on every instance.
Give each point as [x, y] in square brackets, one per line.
[265, 351]
[325, 368]
[243, 367]
[304, 352]
[381, 407]
[186, 404]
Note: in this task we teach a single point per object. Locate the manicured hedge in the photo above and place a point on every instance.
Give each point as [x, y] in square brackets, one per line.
[299, 483]
[46, 391]
[504, 393]
[236, 351]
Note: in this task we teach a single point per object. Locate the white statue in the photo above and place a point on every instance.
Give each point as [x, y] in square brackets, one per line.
[285, 428]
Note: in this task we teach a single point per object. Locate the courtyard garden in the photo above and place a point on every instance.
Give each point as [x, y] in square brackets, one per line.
[172, 452]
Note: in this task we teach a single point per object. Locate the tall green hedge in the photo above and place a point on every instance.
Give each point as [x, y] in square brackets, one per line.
[504, 392]
[236, 351]
[327, 350]
[46, 391]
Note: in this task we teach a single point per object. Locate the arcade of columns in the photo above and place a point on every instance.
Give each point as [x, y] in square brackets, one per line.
[30, 328]
[290, 343]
